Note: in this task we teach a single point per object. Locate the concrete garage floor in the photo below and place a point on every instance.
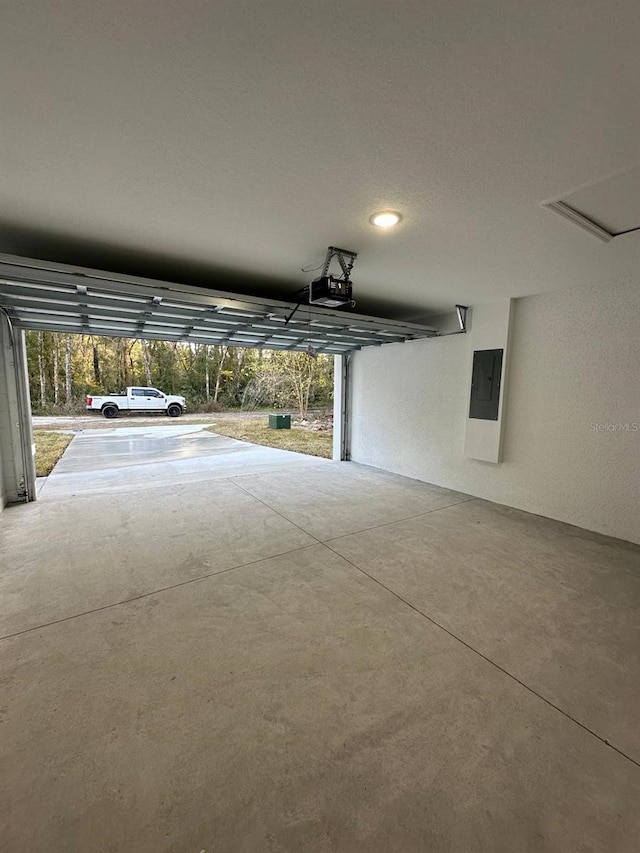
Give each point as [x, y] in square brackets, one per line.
[229, 648]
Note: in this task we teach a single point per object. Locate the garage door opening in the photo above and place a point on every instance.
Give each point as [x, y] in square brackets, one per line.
[41, 297]
[230, 391]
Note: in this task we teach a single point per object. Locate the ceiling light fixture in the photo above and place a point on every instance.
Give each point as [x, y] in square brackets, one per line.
[385, 219]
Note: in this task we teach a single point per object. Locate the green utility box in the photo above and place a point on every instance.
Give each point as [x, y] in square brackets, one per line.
[279, 421]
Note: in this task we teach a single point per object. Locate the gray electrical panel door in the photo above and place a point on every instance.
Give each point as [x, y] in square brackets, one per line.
[485, 384]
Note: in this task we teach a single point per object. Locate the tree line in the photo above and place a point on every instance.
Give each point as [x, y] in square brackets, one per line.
[64, 369]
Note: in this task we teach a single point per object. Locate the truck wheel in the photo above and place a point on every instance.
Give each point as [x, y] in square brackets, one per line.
[174, 411]
[110, 411]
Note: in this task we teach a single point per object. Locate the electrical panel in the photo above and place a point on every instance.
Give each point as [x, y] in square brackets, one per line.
[485, 384]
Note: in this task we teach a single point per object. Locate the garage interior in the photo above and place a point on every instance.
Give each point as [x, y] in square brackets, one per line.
[430, 642]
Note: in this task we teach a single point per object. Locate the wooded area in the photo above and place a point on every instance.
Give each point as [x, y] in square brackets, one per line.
[63, 369]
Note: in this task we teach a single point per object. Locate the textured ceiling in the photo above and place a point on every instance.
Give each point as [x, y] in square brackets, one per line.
[229, 143]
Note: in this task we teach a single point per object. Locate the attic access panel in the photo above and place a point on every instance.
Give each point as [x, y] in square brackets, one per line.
[59, 298]
[605, 209]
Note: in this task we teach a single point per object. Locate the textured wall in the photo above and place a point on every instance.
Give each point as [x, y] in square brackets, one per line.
[3, 498]
[575, 375]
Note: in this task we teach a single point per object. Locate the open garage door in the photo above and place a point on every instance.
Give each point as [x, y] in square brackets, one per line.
[58, 298]
[55, 298]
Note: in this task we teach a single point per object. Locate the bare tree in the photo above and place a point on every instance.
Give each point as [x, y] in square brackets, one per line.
[207, 386]
[300, 371]
[287, 378]
[56, 371]
[223, 355]
[96, 361]
[147, 362]
[132, 366]
[126, 367]
[41, 370]
[67, 370]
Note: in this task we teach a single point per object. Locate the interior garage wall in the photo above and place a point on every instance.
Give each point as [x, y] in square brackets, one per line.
[572, 430]
[3, 491]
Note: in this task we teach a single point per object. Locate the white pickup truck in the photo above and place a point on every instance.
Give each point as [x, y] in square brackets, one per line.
[134, 399]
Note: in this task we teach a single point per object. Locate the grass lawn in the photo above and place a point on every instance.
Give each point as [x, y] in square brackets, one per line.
[257, 432]
[49, 448]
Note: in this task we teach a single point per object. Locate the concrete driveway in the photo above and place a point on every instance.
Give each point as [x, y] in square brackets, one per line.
[126, 421]
[126, 458]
